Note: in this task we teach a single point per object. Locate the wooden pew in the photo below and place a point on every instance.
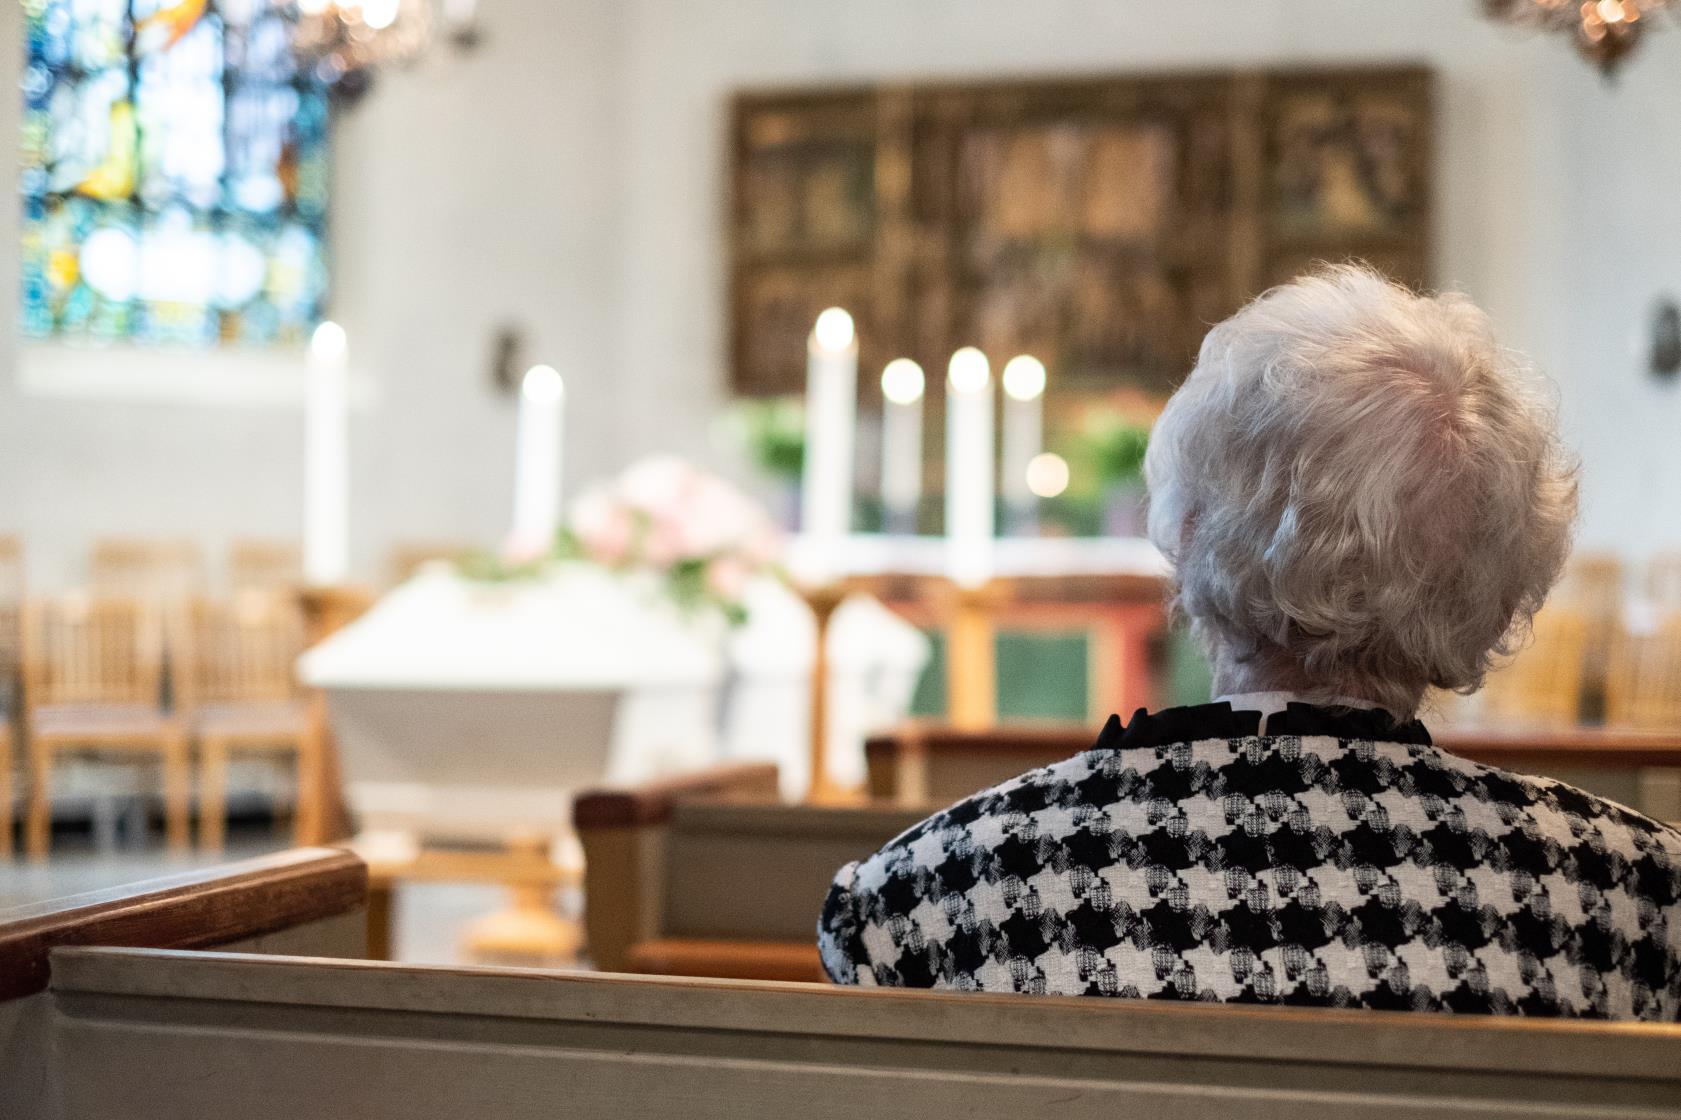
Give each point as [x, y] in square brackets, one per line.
[305, 901]
[710, 876]
[151, 1035]
[932, 764]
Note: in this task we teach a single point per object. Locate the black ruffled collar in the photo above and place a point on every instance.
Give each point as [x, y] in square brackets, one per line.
[1219, 721]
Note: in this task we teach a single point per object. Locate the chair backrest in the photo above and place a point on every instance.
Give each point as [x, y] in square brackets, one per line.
[1643, 682]
[1543, 683]
[262, 565]
[160, 575]
[146, 1034]
[238, 649]
[82, 650]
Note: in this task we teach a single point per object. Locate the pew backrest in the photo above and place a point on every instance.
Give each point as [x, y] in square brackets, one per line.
[148, 1035]
[713, 875]
[934, 765]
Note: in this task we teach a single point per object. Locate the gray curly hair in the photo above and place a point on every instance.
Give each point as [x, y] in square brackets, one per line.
[1361, 492]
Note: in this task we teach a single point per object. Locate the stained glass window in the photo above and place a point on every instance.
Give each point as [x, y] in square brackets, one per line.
[174, 173]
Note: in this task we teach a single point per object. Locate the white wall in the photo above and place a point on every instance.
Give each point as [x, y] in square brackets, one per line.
[468, 192]
[570, 176]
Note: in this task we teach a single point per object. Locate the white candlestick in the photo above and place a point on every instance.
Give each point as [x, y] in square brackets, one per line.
[831, 406]
[537, 459]
[327, 458]
[902, 386]
[970, 467]
[1024, 436]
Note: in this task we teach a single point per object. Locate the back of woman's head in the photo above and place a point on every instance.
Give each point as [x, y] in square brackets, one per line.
[1359, 486]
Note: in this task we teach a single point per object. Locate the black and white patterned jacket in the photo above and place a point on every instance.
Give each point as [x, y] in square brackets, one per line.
[1339, 860]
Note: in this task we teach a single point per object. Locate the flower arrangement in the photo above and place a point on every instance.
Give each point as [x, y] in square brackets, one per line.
[701, 537]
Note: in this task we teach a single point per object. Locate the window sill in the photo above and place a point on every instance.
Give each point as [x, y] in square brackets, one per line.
[125, 373]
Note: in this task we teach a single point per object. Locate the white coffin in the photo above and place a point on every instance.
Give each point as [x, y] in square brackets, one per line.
[467, 709]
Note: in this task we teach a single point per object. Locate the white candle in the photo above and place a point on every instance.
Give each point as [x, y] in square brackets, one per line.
[970, 467]
[902, 385]
[327, 458]
[831, 406]
[1024, 436]
[537, 459]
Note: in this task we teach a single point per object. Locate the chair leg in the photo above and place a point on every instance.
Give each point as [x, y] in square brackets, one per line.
[177, 782]
[38, 822]
[309, 824]
[212, 795]
[6, 791]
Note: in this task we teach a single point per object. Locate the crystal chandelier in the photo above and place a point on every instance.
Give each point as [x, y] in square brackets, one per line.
[1605, 31]
[345, 40]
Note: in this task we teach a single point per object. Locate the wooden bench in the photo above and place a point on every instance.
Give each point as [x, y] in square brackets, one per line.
[149, 1035]
[710, 876]
[306, 901]
[933, 764]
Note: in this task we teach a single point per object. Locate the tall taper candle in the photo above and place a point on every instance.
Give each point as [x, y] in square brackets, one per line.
[902, 387]
[970, 468]
[537, 460]
[327, 458]
[1024, 438]
[831, 407]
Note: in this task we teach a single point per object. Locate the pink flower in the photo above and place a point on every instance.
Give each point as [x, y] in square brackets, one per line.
[727, 579]
[605, 529]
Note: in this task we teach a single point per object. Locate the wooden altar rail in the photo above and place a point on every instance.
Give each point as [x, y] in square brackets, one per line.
[148, 1035]
[317, 890]
[709, 875]
[933, 764]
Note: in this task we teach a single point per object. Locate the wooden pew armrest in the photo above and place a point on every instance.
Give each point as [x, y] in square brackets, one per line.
[737, 960]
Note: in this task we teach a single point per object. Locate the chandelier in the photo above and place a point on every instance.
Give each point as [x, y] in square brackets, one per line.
[1605, 31]
[344, 41]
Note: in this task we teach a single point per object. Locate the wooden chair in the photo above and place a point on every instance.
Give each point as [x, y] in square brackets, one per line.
[238, 692]
[156, 573]
[1643, 684]
[11, 681]
[1544, 683]
[710, 876]
[92, 679]
[274, 567]
[1594, 586]
[1663, 580]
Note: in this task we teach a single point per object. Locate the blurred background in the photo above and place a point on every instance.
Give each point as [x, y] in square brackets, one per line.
[573, 255]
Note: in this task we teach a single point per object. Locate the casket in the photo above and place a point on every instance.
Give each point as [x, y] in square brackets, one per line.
[469, 709]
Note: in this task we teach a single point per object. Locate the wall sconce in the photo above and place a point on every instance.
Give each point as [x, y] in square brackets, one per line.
[1666, 340]
[507, 358]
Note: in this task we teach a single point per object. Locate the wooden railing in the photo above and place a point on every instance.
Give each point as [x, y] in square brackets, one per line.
[232, 904]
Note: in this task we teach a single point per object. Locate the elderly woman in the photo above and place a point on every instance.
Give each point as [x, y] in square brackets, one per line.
[1363, 497]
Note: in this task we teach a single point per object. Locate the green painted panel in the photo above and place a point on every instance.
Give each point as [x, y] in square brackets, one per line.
[1040, 676]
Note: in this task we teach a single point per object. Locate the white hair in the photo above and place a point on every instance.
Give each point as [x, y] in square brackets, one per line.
[1360, 490]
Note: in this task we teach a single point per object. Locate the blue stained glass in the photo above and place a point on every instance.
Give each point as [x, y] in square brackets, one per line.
[174, 174]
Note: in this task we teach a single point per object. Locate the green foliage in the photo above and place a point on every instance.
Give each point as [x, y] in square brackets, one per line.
[775, 433]
[1118, 448]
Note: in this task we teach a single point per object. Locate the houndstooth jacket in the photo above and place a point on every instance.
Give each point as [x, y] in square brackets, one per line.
[1339, 860]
